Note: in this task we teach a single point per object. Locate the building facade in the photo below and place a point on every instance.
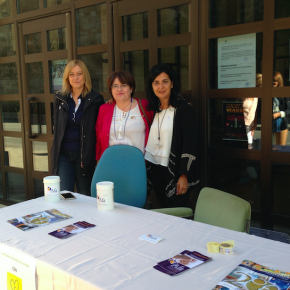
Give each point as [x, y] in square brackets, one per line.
[217, 47]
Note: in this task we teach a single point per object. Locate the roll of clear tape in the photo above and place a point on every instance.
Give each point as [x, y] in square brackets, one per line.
[225, 248]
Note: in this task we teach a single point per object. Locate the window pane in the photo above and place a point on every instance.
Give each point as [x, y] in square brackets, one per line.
[56, 70]
[1, 186]
[281, 54]
[26, 6]
[37, 117]
[178, 58]
[7, 40]
[173, 20]
[135, 26]
[234, 61]
[8, 79]
[10, 112]
[38, 188]
[137, 63]
[92, 25]
[50, 3]
[97, 64]
[33, 43]
[280, 177]
[281, 124]
[282, 8]
[231, 12]
[13, 153]
[40, 156]
[237, 176]
[56, 39]
[235, 123]
[15, 186]
[5, 8]
[35, 78]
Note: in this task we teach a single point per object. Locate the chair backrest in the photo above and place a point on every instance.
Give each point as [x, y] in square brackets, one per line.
[222, 209]
[125, 166]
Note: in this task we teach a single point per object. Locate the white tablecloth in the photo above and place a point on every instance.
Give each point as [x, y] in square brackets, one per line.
[110, 256]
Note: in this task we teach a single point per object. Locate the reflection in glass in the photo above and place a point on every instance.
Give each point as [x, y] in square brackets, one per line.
[282, 8]
[137, 63]
[8, 79]
[135, 26]
[227, 124]
[281, 54]
[280, 177]
[56, 70]
[26, 6]
[1, 186]
[92, 25]
[15, 187]
[238, 177]
[178, 58]
[33, 43]
[40, 156]
[37, 118]
[13, 153]
[38, 188]
[7, 39]
[213, 60]
[56, 39]
[231, 12]
[173, 20]
[35, 78]
[5, 8]
[52, 118]
[10, 112]
[50, 3]
[97, 64]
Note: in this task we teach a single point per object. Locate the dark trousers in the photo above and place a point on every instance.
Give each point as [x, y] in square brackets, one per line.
[69, 171]
[159, 179]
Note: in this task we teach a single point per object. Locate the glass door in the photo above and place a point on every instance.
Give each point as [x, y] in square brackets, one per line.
[45, 49]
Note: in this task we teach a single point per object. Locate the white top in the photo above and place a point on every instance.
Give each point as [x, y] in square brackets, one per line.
[87, 260]
[160, 154]
[130, 132]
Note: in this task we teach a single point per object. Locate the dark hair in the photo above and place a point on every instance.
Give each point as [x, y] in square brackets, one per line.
[278, 78]
[155, 71]
[124, 77]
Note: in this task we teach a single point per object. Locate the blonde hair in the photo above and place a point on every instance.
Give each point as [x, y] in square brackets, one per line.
[66, 87]
[258, 80]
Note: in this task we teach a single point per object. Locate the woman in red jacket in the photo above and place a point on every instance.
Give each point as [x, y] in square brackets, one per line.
[125, 121]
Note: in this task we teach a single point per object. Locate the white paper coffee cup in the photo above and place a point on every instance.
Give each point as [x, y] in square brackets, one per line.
[105, 195]
[51, 188]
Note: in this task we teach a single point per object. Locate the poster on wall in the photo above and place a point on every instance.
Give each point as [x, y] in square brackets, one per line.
[17, 270]
[57, 70]
[237, 61]
[233, 122]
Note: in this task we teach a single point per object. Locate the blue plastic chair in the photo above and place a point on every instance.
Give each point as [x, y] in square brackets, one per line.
[125, 166]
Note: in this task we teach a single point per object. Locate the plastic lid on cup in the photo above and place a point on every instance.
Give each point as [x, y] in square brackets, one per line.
[105, 185]
[51, 179]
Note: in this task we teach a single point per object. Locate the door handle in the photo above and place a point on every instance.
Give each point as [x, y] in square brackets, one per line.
[29, 133]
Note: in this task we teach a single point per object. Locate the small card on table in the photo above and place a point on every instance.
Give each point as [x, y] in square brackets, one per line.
[71, 230]
[151, 238]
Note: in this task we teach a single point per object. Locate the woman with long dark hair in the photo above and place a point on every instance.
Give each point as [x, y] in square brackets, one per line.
[172, 144]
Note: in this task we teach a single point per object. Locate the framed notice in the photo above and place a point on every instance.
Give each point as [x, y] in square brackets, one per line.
[233, 122]
[237, 61]
[56, 73]
[17, 270]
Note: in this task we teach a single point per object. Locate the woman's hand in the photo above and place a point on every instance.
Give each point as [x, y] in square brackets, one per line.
[276, 115]
[111, 101]
[182, 185]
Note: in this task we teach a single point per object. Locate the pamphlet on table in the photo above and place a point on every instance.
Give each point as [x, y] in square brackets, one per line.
[71, 230]
[181, 262]
[151, 238]
[38, 219]
[250, 275]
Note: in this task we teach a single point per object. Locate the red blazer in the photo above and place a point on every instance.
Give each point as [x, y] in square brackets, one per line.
[104, 121]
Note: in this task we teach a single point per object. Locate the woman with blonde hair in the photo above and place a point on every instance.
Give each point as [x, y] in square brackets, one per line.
[76, 108]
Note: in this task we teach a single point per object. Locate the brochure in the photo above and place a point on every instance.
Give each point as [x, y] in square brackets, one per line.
[181, 262]
[71, 230]
[250, 275]
[38, 219]
[151, 238]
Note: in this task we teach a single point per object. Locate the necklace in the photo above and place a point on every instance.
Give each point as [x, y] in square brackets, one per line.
[159, 145]
[121, 126]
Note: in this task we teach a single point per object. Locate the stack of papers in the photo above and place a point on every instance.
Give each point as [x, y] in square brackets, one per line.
[181, 262]
[71, 230]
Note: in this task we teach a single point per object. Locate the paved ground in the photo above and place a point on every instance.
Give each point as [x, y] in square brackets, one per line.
[2, 205]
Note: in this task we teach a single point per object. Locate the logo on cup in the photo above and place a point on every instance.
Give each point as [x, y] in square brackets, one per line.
[100, 199]
[51, 189]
